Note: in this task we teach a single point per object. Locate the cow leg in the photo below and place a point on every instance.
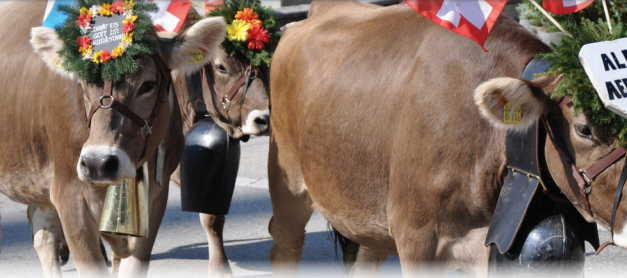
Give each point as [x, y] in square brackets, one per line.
[115, 265]
[79, 227]
[47, 236]
[136, 265]
[417, 249]
[218, 263]
[368, 263]
[292, 208]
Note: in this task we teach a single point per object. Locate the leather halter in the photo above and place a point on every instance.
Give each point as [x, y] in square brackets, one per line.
[585, 178]
[145, 125]
[244, 81]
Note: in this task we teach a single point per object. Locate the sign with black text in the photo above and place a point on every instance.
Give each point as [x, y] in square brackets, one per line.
[605, 64]
[106, 32]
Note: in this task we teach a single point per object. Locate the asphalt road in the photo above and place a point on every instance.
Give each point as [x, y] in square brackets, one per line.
[181, 246]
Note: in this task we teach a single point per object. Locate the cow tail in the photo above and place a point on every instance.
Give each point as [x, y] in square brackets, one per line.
[349, 248]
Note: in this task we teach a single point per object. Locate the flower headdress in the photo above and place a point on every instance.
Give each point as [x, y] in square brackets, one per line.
[251, 30]
[585, 27]
[101, 38]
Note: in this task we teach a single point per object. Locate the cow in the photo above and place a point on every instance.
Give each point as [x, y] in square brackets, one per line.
[51, 159]
[392, 128]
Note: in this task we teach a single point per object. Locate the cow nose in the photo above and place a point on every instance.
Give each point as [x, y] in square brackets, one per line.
[99, 167]
[263, 123]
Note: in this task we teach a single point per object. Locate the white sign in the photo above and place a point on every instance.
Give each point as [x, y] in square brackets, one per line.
[606, 66]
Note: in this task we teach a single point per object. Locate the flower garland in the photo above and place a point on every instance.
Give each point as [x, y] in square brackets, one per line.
[251, 31]
[85, 21]
[586, 26]
[109, 64]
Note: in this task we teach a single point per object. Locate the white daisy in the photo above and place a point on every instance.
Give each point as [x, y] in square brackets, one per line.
[85, 30]
[95, 10]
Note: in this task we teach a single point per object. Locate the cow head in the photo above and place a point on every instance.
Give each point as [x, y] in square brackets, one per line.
[247, 114]
[117, 145]
[584, 141]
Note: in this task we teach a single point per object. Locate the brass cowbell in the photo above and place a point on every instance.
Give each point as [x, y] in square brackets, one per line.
[125, 210]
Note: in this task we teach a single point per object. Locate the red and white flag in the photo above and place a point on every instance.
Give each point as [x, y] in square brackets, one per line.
[566, 6]
[211, 5]
[470, 18]
[171, 14]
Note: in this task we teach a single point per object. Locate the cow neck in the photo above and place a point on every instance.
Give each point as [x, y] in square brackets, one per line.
[585, 178]
[145, 125]
[245, 81]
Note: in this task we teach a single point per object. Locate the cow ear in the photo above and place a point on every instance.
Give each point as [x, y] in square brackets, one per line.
[206, 35]
[511, 103]
[47, 45]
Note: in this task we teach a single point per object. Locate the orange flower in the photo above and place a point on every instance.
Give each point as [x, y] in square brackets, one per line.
[84, 20]
[105, 56]
[249, 16]
[84, 41]
[118, 7]
[105, 10]
[257, 36]
[128, 27]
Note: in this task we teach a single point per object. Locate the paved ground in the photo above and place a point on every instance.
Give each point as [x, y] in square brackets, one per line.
[181, 245]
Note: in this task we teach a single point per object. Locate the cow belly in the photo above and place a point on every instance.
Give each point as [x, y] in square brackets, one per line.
[27, 187]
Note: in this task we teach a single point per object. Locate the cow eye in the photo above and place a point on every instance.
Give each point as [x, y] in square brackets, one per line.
[147, 87]
[584, 131]
[221, 69]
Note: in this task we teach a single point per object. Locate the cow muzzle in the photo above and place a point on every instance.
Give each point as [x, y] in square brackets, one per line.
[257, 123]
[104, 165]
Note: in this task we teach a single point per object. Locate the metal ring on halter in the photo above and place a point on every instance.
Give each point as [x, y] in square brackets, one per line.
[588, 186]
[252, 76]
[148, 127]
[106, 106]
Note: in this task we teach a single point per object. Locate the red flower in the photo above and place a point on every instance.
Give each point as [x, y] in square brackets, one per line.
[257, 36]
[106, 56]
[117, 7]
[84, 41]
[84, 20]
[128, 27]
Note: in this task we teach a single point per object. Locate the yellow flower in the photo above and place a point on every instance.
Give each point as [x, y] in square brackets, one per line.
[129, 5]
[84, 51]
[118, 51]
[127, 38]
[105, 10]
[132, 18]
[238, 30]
[98, 57]
[86, 11]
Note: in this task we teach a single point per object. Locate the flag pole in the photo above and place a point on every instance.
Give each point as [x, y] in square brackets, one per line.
[200, 6]
[545, 13]
[607, 17]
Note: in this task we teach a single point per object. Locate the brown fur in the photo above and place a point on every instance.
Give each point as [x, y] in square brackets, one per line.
[374, 125]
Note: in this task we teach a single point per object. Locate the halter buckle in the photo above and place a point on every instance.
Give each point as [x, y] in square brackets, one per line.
[146, 130]
[588, 186]
[110, 103]
[226, 103]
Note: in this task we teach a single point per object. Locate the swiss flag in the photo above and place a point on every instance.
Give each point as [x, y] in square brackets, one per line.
[210, 5]
[171, 14]
[566, 6]
[470, 18]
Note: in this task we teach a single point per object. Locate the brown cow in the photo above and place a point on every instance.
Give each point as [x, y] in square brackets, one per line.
[43, 115]
[374, 124]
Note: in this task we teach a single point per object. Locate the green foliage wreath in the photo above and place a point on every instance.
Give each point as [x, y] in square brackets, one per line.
[115, 69]
[586, 26]
[240, 30]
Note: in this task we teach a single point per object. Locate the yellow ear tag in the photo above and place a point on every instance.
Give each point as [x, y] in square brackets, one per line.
[511, 115]
[195, 58]
[58, 63]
